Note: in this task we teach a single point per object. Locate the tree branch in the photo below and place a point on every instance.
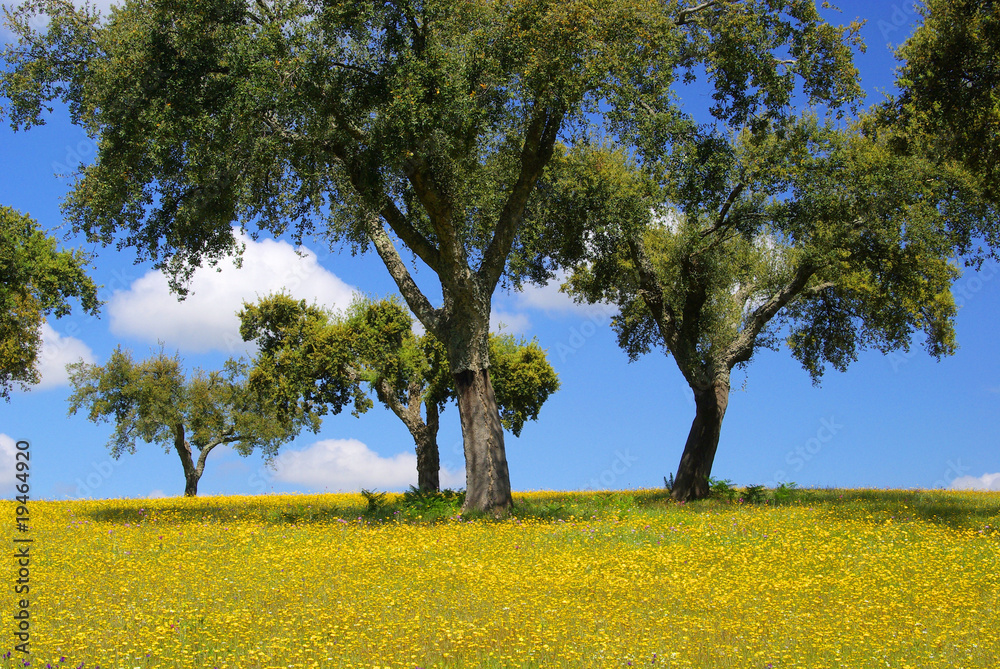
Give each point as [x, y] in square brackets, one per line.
[409, 414]
[387, 395]
[684, 14]
[438, 207]
[200, 467]
[410, 236]
[271, 121]
[742, 349]
[415, 299]
[539, 142]
[652, 294]
[721, 219]
[744, 292]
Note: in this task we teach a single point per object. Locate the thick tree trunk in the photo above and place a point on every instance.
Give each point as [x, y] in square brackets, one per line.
[703, 440]
[487, 483]
[191, 473]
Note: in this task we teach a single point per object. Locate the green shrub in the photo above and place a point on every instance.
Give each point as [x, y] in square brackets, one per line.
[433, 502]
[785, 492]
[722, 489]
[376, 500]
[754, 494]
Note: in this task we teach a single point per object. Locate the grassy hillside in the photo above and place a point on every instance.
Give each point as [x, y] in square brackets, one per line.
[830, 578]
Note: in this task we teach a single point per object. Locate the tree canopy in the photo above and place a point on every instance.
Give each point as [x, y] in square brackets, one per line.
[155, 402]
[947, 104]
[425, 123]
[36, 280]
[808, 234]
[310, 359]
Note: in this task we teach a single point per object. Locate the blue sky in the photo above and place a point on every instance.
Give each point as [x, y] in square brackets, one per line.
[901, 421]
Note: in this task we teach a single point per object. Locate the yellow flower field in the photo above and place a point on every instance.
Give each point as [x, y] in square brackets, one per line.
[598, 581]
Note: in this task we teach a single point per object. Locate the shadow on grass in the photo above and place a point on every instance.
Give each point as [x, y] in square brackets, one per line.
[956, 510]
[122, 511]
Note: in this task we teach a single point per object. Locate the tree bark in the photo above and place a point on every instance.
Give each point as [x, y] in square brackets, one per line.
[702, 442]
[424, 433]
[487, 482]
[428, 455]
[428, 461]
[191, 472]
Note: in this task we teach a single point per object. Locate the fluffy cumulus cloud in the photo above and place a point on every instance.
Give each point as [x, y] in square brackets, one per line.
[349, 465]
[7, 450]
[984, 482]
[207, 319]
[57, 351]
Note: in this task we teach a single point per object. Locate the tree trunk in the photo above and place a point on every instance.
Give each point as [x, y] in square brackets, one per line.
[487, 483]
[703, 440]
[424, 433]
[191, 472]
[428, 456]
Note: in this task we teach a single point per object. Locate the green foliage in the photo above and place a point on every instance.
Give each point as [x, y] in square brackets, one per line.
[786, 492]
[668, 482]
[36, 280]
[822, 235]
[433, 109]
[754, 494]
[154, 401]
[947, 105]
[522, 379]
[722, 489]
[375, 500]
[326, 361]
[303, 362]
[432, 503]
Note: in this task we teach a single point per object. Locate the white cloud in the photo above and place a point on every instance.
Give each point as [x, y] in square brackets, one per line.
[207, 319]
[550, 299]
[348, 465]
[505, 322]
[501, 322]
[56, 352]
[7, 450]
[984, 482]
[671, 219]
[156, 494]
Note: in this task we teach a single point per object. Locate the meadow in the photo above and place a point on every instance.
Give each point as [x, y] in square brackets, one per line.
[825, 578]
